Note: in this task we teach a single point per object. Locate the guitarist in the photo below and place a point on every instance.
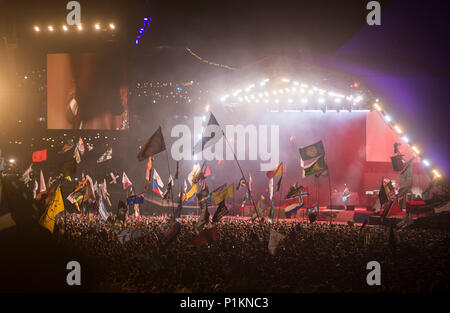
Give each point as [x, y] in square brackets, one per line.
[345, 196]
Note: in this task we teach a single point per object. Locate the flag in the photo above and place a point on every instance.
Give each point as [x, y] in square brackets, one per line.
[67, 146]
[124, 236]
[312, 151]
[207, 171]
[157, 178]
[195, 170]
[205, 237]
[397, 162]
[80, 146]
[114, 178]
[279, 184]
[295, 202]
[390, 192]
[270, 188]
[185, 186]
[220, 212]
[382, 196]
[208, 141]
[393, 210]
[241, 183]
[39, 156]
[135, 199]
[274, 241]
[149, 168]
[405, 179]
[26, 177]
[125, 181]
[42, 182]
[76, 156]
[172, 231]
[103, 192]
[272, 210]
[102, 210]
[47, 220]
[191, 192]
[105, 156]
[203, 198]
[315, 167]
[250, 181]
[243, 204]
[154, 145]
[6, 220]
[168, 187]
[156, 189]
[276, 172]
[223, 193]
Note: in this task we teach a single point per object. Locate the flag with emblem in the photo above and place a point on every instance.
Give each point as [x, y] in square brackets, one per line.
[39, 156]
[316, 167]
[125, 181]
[56, 206]
[312, 151]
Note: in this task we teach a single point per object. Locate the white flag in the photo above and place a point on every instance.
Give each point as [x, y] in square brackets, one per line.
[42, 183]
[157, 178]
[270, 189]
[274, 241]
[105, 156]
[125, 181]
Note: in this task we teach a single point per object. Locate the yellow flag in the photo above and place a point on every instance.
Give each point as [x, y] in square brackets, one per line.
[191, 192]
[56, 206]
[224, 193]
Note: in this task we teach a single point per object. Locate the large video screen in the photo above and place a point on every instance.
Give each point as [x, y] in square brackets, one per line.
[86, 91]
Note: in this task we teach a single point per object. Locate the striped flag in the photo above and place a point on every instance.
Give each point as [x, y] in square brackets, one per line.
[102, 210]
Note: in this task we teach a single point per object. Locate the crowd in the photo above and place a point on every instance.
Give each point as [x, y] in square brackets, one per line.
[313, 257]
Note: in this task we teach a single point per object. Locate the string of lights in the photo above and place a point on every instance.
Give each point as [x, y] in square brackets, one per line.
[80, 27]
[209, 62]
[389, 121]
[144, 28]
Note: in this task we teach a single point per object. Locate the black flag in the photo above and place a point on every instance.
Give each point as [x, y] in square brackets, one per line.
[382, 195]
[220, 212]
[153, 146]
[178, 169]
[208, 141]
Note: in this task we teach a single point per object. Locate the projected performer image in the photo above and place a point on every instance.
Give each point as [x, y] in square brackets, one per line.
[86, 91]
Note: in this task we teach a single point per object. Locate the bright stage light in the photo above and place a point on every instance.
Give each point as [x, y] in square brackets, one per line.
[416, 150]
[80, 27]
[397, 129]
[436, 173]
[37, 29]
[65, 28]
[50, 28]
[321, 100]
[97, 26]
[426, 162]
[377, 107]
[207, 108]
[12, 161]
[405, 139]
[387, 118]
[112, 26]
[285, 80]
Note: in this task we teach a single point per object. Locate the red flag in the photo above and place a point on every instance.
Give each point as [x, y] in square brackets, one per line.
[39, 156]
[206, 236]
[207, 171]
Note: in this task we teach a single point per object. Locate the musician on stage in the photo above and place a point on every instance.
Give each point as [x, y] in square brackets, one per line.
[345, 195]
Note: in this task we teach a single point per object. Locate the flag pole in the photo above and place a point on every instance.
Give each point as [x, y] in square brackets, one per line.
[242, 172]
[171, 187]
[331, 204]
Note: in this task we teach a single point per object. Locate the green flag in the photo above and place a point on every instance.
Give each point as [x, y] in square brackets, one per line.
[316, 167]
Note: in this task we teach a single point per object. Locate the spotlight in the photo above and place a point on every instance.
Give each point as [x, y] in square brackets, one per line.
[436, 173]
[50, 28]
[112, 26]
[37, 29]
[377, 107]
[416, 150]
[65, 28]
[426, 162]
[80, 27]
[387, 118]
[397, 129]
[97, 26]
[12, 161]
[405, 139]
